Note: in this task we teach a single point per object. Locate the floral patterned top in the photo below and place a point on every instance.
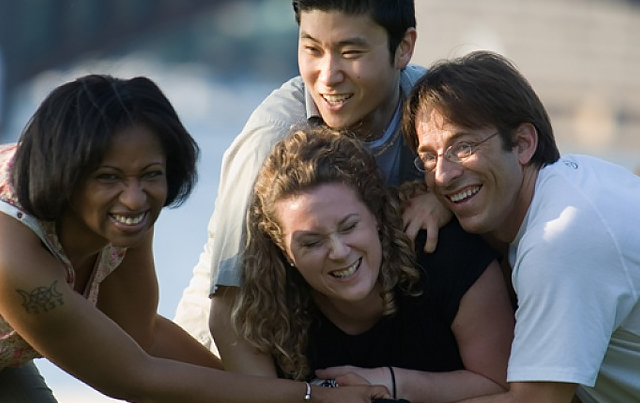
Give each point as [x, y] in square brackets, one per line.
[14, 351]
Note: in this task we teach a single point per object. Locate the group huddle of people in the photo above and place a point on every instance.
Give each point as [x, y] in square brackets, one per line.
[382, 232]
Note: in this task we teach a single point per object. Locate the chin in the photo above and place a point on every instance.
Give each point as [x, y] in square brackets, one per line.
[474, 225]
[127, 242]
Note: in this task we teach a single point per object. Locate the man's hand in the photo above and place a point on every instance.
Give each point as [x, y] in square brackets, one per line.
[424, 211]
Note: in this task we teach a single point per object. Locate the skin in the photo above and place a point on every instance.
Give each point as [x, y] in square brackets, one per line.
[490, 193]
[328, 228]
[122, 347]
[119, 202]
[344, 62]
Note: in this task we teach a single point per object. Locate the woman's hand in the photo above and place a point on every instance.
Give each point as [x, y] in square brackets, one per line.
[348, 375]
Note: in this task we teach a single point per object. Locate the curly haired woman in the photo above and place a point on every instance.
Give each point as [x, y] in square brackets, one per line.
[333, 288]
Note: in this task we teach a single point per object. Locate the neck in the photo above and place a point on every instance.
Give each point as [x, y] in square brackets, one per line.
[351, 317]
[79, 244]
[513, 221]
[373, 126]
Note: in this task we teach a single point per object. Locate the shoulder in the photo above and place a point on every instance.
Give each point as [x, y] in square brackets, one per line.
[7, 153]
[285, 104]
[409, 75]
[273, 119]
[456, 248]
[582, 202]
[22, 254]
[458, 261]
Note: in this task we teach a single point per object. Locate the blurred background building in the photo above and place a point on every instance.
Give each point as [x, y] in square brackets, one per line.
[217, 59]
[581, 56]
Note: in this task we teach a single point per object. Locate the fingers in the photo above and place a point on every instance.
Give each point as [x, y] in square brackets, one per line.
[416, 207]
[412, 228]
[332, 372]
[350, 379]
[428, 223]
[380, 392]
[432, 227]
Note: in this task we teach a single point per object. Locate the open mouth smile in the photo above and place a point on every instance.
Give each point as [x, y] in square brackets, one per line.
[349, 271]
[128, 220]
[464, 195]
[336, 99]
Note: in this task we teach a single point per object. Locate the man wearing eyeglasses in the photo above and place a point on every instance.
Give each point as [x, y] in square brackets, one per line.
[572, 226]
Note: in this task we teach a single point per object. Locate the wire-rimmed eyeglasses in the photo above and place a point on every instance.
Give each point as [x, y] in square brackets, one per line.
[426, 162]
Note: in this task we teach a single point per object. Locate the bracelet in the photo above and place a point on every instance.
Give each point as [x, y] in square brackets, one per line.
[307, 395]
[393, 381]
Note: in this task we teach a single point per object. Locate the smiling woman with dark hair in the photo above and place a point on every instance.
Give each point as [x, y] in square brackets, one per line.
[79, 195]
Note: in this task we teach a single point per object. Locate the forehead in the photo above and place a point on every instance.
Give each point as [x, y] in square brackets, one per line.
[134, 143]
[317, 206]
[434, 130]
[431, 122]
[336, 26]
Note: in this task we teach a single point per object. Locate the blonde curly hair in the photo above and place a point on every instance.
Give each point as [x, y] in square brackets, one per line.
[274, 309]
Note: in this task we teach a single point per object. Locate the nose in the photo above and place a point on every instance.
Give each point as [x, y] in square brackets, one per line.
[330, 73]
[339, 249]
[446, 171]
[133, 195]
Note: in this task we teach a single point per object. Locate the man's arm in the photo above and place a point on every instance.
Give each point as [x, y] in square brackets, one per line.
[192, 313]
[267, 124]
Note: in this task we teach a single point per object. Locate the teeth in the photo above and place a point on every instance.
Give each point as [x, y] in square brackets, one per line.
[336, 99]
[463, 195]
[128, 220]
[348, 271]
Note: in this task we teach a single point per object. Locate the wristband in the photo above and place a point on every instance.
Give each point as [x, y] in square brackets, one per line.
[307, 395]
[393, 381]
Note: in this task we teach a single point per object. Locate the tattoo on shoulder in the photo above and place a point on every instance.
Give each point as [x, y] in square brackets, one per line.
[41, 299]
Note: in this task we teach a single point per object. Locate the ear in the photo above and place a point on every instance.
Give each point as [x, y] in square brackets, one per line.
[405, 49]
[526, 142]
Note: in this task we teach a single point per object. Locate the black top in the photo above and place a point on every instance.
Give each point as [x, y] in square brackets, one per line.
[418, 336]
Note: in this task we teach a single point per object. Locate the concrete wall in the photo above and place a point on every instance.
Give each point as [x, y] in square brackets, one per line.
[581, 56]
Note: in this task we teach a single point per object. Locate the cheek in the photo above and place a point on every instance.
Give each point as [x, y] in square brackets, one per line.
[309, 269]
[430, 180]
[306, 67]
[309, 262]
[158, 192]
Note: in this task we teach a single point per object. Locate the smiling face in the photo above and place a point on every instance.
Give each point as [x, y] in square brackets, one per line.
[345, 64]
[331, 237]
[120, 201]
[489, 192]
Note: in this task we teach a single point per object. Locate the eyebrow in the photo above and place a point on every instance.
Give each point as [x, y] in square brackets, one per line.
[356, 40]
[117, 168]
[454, 138]
[316, 233]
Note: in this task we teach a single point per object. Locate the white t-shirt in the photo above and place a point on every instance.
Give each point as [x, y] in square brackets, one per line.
[576, 271]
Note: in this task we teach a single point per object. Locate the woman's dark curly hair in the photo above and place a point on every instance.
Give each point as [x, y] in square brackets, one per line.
[274, 309]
